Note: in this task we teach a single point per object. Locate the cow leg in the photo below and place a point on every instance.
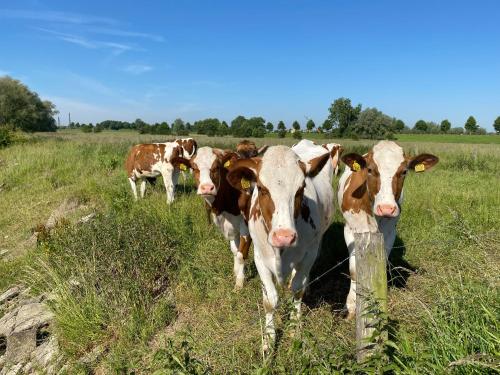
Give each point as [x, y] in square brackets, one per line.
[300, 280]
[167, 175]
[239, 263]
[351, 297]
[270, 300]
[143, 187]
[133, 186]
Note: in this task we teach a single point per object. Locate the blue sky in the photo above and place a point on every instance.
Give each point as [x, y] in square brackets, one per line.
[283, 60]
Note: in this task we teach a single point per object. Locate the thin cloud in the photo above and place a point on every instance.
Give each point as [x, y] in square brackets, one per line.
[53, 16]
[116, 48]
[123, 33]
[137, 69]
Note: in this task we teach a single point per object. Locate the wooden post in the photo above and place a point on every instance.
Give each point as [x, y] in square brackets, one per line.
[371, 291]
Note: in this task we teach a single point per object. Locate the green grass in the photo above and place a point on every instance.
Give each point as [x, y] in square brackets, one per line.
[151, 285]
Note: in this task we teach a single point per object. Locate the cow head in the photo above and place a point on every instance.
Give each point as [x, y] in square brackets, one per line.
[188, 147]
[381, 174]
[209, 166]
[335, 151]
[247, 149]
[280, 180]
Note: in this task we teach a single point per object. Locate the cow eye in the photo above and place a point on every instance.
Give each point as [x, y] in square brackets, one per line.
[404, 172]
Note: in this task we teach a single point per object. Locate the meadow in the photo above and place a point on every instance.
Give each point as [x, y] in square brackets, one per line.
[145, 287]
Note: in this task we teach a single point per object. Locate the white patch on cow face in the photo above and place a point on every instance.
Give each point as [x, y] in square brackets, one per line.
[282, 176]
[388, 156]
[204, 160]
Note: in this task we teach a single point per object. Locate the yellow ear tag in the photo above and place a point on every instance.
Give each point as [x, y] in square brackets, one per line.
[356, 167]
[419, 167]
[227, 164]
[245, 184]
[182, 167]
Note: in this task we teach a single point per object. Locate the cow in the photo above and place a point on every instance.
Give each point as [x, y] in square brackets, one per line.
[147, 161]
[307, 150]
[370, 196]
[226, 205]
[285, 221]
[247, 149]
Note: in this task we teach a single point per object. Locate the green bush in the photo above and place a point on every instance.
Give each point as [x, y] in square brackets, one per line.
[297, 134]
[5, 136]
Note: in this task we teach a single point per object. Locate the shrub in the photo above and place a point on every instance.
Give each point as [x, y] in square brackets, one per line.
[5, 136]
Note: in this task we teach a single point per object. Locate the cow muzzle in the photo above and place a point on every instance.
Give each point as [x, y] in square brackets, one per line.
[387, 210]
[283, 238]
[207, 189]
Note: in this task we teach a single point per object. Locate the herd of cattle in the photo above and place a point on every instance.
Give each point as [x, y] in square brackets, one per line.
[281, 199]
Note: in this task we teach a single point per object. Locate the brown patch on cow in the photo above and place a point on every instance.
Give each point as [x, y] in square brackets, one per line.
[266, 204]
[141, 157]
[244, 203]
[245, 242]
[246, 149]
[398, 180]
[305, 212]
[317, 164]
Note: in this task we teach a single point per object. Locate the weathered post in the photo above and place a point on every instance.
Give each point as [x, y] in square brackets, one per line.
[371, 292]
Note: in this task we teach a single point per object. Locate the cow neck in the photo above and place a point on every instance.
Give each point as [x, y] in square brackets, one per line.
[226, 199]
[359, 201]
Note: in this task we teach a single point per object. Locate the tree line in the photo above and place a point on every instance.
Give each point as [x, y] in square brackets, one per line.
[21, 108]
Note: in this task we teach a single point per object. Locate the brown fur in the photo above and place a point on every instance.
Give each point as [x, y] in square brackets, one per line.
[141, 157]
[246, 149]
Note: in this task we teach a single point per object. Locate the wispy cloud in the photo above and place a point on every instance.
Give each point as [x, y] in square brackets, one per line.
[124, 33]
[116, 48]
[53, 16]
[137, 69]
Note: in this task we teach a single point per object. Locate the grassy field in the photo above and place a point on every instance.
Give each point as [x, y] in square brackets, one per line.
[149, 287]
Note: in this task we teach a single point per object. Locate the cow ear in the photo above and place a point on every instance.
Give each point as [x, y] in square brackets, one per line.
[243, 174]
[180, 163]
[314, 166]
[335, 155]
[228, 159]
[219, 153]
[354, 161]
[261, 150]
[422, 162]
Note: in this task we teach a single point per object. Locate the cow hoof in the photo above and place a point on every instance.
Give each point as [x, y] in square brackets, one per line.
[239, 285]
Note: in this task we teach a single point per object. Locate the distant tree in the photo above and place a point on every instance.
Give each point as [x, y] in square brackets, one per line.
[496, 125]
[457, 130]
[481, 131]
[420, 126]
[258, 132]
[398, 125]
[223, 129]
[371, 123]
[433, 128]
[237, 126]
[445, 126]
[343, 114]
[471, 125]
[21, 108]
[209, 126]
[296, 125]
[270, 127]
[178, 126]
[297, 134]
[281, 129]
[189, 127]
[162, 128]
[327, 125]
[310, 125]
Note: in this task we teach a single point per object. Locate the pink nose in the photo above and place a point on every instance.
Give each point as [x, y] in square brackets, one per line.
[284, 237]
[386, 210]
[207, 188]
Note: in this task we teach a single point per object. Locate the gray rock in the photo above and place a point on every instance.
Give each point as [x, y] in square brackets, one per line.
[10, 294]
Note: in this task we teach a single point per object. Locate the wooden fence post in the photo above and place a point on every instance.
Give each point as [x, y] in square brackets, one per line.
[371, 292]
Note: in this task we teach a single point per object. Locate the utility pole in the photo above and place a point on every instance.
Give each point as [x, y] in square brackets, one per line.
[69, 118]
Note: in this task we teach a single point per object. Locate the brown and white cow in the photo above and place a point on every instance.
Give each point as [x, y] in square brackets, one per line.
[227, 205]
[284, 221]
[148, 161]
[247, 149]
[370, 196]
